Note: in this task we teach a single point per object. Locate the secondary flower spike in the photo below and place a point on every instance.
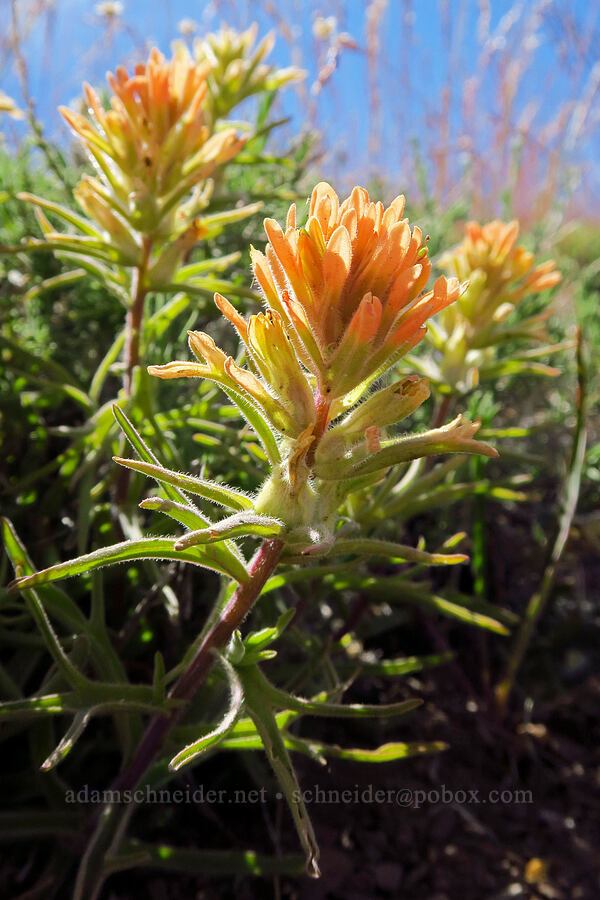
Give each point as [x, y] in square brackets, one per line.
[154, 138]
[498, 269]
[499, 273]
[349, 284]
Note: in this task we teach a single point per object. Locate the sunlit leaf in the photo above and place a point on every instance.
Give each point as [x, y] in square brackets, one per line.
[209, 557]
[210, 490]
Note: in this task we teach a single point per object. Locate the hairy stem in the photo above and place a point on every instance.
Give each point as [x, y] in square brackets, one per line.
[113, 818]
[133, 327]
[135, 315]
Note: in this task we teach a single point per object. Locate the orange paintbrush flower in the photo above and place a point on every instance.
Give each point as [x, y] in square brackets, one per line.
[238, 67]
[499, 274]
[344, 302]
[349, 285]
[154, 137]
[499, 270]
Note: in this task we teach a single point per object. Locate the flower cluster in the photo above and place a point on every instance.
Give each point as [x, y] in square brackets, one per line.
[345, 301]
[237, 69]
[499, 274]
[152, 146]
[154, 149]
[350, 286]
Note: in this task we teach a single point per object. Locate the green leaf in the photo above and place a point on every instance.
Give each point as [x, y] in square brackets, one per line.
[392, 668]
[34, 605]
[210, 490]
[164, 857]
[158, 678]
[258, 422]
[398, 589]
[213, 738]
[557, 543]
[214, 223]
[104, 270]
[109, 358]
[258, 640]
[214, 264]
[74, 732]
[78, 246]
[240, 525]
[319, 707]
[100, 698]
[182, 513]
[57, 281]
[383, 754]
[266, 724]
[215, 558]
[62, 608]
[50, 704]
[163, 317]
[146, 454]
[452, 438]
[62, 212]
[517, 367]
[47, 373]
[447, 494]
[19, 824]
[395, 552]
[446, 607]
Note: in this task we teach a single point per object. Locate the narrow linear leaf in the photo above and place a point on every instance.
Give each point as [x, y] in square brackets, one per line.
[48, 367]
[214, 264]
[396, 552]
[18, 825]
[385, 753]
[213, 738]
[143, 451]
[392, 668]
[397, 589]
[62, 212]
[73, 676]
[62, 608]
[562, 530]
[167, 858]
[182, 513]
[218, 493]
[240, 525]
[74, 732]
[109, 358]
[57, 281]
[262, 715]
[215, 558]
[318, 707]
[258, 422]
[258, 640]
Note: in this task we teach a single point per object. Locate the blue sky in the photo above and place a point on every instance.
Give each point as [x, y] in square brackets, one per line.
[425, 46]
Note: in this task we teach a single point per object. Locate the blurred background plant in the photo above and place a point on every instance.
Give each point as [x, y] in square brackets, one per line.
[469, 137]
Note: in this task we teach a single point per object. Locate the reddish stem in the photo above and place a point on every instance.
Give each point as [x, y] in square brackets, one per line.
[186, 686]
[442, 411]
[109, 824]
[133, 325]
